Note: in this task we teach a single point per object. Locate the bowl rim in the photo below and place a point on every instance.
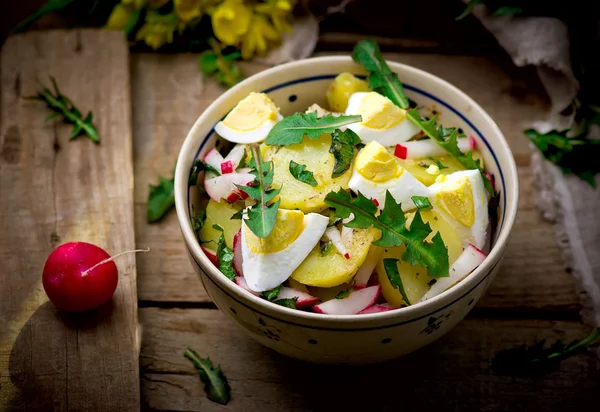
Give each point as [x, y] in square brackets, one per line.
[450, 295]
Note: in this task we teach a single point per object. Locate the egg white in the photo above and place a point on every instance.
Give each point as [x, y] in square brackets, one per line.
[477, 233]
[401, 188]
[250, 136]
[269, 270]
[398, 133]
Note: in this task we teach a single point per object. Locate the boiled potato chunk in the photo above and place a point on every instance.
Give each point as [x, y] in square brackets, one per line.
[314, 153]
[414, 278]
[219, 213]
[341, 88]
[334, 269]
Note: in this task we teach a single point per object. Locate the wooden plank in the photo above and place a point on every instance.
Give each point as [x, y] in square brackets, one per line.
[454, 373]
[54, 191]
[169, 94]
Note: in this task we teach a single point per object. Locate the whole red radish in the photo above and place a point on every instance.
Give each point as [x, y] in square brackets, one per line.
[79, 276]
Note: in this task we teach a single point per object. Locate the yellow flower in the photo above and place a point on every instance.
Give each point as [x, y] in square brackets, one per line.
[255, 41]
[231, 21]
[188, 9]
[280, 12]
[119, 17]
[158, 29]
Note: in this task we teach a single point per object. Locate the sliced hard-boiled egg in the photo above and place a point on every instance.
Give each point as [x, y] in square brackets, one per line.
[461, 199]
[268, 262]
[376, 171]
[251, 119]
[382, 120]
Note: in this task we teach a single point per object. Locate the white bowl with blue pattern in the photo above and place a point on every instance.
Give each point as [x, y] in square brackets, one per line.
[355, 339]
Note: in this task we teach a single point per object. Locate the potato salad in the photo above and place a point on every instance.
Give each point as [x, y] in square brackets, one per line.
[353, 208]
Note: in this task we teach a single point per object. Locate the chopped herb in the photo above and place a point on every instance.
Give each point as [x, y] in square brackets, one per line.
[344, 293]
[198, 167]
[325, 247]
[422, 203]
[161, 199]
[391, 270]
[342, 147]
[524, 359]
[215, 383]
[300, 173]
[198, 223]
[288, 303]
[392, 223]
[224, 255]
[292, 129]
[63, 106]
[271, 294]
[437, 163]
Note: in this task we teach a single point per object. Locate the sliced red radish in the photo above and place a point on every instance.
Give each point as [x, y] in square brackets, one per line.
[366, 270]
[304, 299]
[384, 307]
[333, 234]
[241, 282]
[468, 260]
[226, 167]
[211, 255]
[235, 155]
[421, 149]
[472, 143]
[222, 187]
[237, 253]
[213, 158]
[376, 202]
[355, 302]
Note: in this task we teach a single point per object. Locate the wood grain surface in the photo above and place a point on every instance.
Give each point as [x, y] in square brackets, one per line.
[52, 191]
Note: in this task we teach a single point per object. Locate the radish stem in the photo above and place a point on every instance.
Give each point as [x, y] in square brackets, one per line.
[110, 259]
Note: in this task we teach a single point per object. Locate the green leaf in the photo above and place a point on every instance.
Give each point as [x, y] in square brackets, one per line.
[439, 164]
[224, 256]
[221, 65]
[261, 217]
[198, 223]
[391, 270]
[422, 203]
[392, 223]
[292, 129]
[160, 199]
[342, 148]
[63, 106]
[381, 78]
[132, 23]
[271, 294]
[325, 247]
[507, 10]
[300, 173]
[288, 303]
[215, 383]
[50, 6]
[576, 155]
[237, 215]
[526, 359]
[198, 167]
[468, 9]
[344, 293]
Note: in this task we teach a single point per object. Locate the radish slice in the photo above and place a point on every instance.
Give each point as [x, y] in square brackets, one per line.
[333, 234]
[468, 260]
[472, 143]
[384, 307]
[211, 255]
[366, 270]
[241, 282]
[357, 300]
[226, 167]
[213, 158]
[221, 187]
[236, 155]
[420, 149]
[304, 299]
[237, 253]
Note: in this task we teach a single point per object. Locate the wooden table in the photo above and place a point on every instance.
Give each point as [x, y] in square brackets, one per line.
[532, 298]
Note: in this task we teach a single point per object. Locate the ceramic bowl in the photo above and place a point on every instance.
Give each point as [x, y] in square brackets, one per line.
[357, 338]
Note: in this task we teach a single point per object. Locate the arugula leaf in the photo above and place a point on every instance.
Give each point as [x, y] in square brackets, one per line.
[523, 359]
[271, 294]
[261, 217]
[390, 266]
[381, 78]
[200, 166]
[325, 248]
[342, 148]
[224, 256]
[288, 303]
[574, 155]
[300, 173]
[392, 223]
[215, 383]
[291, 129]
[439, 164]
[160, 199]
[422, 203]
[344, 293]
[63, 106]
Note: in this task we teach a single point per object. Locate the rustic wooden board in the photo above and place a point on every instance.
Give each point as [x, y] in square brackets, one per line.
[54, 191]
[453, 373]
[169, 95]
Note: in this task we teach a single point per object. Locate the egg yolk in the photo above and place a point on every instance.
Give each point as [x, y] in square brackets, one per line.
[378, 112]
[289, 224]
[375, 163]
[457, 198]
[251, 112]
